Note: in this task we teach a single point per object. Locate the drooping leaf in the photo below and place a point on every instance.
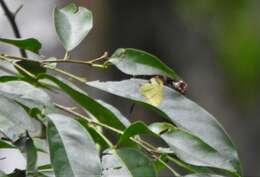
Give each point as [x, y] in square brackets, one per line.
[136, 62]
[126, 162]
[182, 112]
[13, 119]
[6, 144]
[73, 152]
[96, 108]
[30, 44]
[190, 148]
[72, 24]
[152, 91]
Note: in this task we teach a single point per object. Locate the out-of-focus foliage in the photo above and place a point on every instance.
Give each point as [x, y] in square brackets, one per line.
[234, 29]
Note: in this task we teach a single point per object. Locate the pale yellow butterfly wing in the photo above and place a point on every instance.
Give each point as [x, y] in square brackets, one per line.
[152, 91]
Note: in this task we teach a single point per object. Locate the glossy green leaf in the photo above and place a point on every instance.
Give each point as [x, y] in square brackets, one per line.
[25, 91]
[190, 148]
[6, 144]
[160, 128]
[30, 44]
[96, 108]
[26, 94]
[73, 152]
[136, 128]
[182, 112]
[136, 62]
[72, 24]
[126, 162]
[14, 121]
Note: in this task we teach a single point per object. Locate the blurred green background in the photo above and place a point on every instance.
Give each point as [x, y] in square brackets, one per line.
[213, 44]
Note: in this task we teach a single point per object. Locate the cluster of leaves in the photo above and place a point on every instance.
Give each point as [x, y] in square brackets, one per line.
[76, 143]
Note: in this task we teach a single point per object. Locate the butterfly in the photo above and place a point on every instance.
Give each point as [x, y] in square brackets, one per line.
[152, 91]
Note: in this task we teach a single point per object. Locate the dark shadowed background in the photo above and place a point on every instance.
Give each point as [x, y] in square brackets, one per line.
[214, 45]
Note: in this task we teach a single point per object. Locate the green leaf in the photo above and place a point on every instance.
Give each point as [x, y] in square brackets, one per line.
[25, 91]
[31, 154]
[26, 94]
[96, 108]
[97, 136]
[8, 78]
[190, 148]
[126, 162]
[40, 145]
[135, 128]
[6, 144]
[136, 62]
[116, 113]
[72, 24]
[72, 150]
[182, 112]
[30, 44]
[33, 67]
[7, 68]
[158, 165]
[13, 119]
